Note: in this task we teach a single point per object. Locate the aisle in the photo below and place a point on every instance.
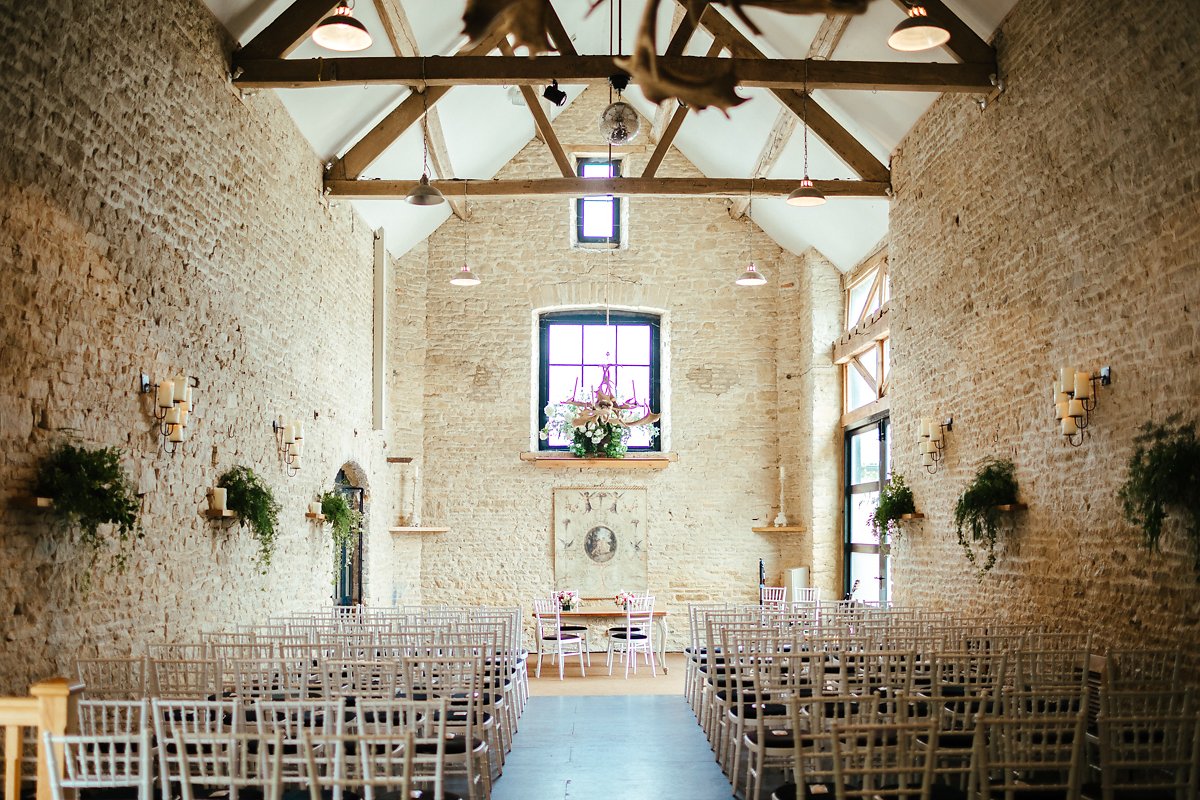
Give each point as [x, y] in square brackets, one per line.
[610, 748]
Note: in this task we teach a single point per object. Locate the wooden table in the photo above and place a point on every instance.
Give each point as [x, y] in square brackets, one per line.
[660, 625]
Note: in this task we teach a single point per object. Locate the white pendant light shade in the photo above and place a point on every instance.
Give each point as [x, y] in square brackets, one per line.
[917, 32]
[464, 277]
[806, 195]
[342, 32]
[751, 277]
[423, 194]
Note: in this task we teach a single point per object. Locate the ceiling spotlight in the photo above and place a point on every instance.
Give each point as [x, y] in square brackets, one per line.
[554, 94]
[423, 194]
[464, 277]
[917, 32]
[751, 277]
[806, 195]
[341, 31]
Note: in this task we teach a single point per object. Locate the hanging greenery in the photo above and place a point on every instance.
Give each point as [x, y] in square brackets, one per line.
[1164, 473]
[895, 499]
[975, 513]
[255, 506]
[90, 489]
[343, 521]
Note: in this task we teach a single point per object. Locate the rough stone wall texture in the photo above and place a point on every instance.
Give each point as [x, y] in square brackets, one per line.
[154, 221]
[1057, 227]
[681, 259]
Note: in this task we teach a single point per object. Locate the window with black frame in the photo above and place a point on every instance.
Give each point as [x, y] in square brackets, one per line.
[576, 346]
[598, 217]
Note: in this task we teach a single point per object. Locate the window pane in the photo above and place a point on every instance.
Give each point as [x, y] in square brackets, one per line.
[566, 344]
[858, 391]
[639, 437]
[864, 571]
[864, 457]
[598, 217]
[633, 344]
[591, 379]
[858, 299]
[596, 169]
[563, 381]
[862, 506]
[599, 344]
[631, 378]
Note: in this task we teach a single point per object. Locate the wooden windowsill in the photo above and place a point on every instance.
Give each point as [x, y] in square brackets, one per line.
[630, 461]
[780, 529]
[1013, 507]
[914, 515]
[410, 529]
[32, 503]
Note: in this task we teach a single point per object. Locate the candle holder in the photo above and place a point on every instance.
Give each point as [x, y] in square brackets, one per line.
[174, 403]
[289, 440]
[932, 441]
[1075, 395]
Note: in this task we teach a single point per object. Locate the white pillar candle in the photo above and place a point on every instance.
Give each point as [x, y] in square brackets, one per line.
[1060, 409]
[183, 414]
[217, 497]
[416, 511]
[299, 428]
[927, 460]
[296, 462]
[1066, 378]
[183, 397]
[782, 479]
[172, 417]
[166, 394]
[1075, 408]
[1083, 384]
[289, 434]
[175, 434]
[1069, 426]
[314, 508]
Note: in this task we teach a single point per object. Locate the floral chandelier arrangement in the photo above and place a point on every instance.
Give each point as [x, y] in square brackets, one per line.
[598, 427]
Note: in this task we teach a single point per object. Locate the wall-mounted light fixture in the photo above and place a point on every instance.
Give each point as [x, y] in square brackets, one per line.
[1075, 399]
[173, 405]
[931, 439]
[289, 440]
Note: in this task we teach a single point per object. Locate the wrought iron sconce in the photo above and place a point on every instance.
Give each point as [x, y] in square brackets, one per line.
[289, 439]
[174, 403]
[932, 441]
[1075, 396]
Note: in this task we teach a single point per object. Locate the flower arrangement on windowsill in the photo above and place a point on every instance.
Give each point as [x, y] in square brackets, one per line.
[599, 427]
[567, 599]
[623, 599]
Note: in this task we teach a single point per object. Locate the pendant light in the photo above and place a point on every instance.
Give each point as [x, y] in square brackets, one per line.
[464, 277]
[917, 32]
[341, 31]
[751, 277]
[806, 195]
[423, 194]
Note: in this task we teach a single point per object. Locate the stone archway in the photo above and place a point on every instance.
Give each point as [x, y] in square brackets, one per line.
[351, 586]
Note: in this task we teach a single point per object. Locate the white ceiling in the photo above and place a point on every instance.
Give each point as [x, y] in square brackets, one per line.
[483, 130]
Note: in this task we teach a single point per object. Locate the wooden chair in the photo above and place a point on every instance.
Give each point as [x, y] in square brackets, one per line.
[101, 763]
[553, 640]
[229, 763]
[635, 637]
[1149, 744]
[361, 766]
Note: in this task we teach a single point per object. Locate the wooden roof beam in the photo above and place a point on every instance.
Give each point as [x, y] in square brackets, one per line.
[285, 33]
[579, 187]
[480, 70]
[667, 137]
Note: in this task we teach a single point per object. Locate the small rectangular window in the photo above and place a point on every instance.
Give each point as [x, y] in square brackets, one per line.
[598, 217]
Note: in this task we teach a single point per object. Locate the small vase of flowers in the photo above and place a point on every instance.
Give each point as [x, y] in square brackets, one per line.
[623, 599]
[567, 599]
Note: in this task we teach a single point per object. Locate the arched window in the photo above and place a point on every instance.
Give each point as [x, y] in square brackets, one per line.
[574, 346]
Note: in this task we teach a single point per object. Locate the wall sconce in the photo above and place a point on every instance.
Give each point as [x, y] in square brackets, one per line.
[1075, 399]
[173, 405]
[932, 441]
[289, 437]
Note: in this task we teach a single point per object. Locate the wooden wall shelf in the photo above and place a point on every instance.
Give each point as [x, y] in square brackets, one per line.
[1013, 507]
[631, 461]
[314, 517]
[226, 514]
[914, 515]
[409, 529]
[780, 529]
[399, 459]
[32, 503]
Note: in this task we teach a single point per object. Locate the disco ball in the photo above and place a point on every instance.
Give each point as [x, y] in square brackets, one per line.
[619, 123]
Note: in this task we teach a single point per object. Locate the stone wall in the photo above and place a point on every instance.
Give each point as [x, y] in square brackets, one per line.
[681, 260]
[154, 221]
[1056, 227]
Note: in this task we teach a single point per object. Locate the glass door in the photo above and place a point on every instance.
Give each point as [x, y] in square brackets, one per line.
[349, 578]
[867, 466]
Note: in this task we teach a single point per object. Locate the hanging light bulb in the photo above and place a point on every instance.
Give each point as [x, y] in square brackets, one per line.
[751, 277]
[423, 194]
[806, 195]
[917, 32]
[464, 277]
[341, 31]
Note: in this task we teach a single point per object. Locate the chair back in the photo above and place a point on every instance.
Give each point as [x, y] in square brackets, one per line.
[230, 762]
[94, 762]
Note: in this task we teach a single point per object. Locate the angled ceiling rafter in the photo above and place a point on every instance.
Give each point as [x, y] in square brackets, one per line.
[285, 33]
[542, 122]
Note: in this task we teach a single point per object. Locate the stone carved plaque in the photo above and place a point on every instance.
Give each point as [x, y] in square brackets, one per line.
[600, 543]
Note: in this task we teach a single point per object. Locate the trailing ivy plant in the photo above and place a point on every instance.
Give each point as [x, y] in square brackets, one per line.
[976, 518]
[1164, 473]
[255, 506]
[90, 489]
[342, 520]
[895, 499]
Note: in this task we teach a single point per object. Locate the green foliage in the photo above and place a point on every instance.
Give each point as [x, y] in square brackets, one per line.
[343, 520]
[895, 498]
[600, 439]
[995, 484]
[255, 506]
[1164, 472]
[90, 489]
